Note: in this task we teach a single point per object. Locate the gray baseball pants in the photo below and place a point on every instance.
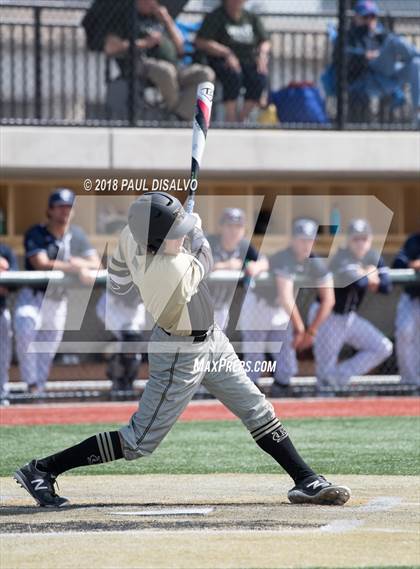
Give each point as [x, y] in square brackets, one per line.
[177, 367]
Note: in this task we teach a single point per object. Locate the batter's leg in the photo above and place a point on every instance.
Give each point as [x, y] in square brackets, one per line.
[173, 380]
[230, 384]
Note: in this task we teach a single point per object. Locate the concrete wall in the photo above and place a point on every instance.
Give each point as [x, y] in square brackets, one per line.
[39, 151]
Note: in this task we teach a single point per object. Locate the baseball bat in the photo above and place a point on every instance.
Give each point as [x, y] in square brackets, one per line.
[205, 92]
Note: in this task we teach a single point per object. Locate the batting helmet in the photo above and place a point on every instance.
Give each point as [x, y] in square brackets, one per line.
[157, 216]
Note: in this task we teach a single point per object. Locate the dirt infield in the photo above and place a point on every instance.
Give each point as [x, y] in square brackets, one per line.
[250, 524]
[210, 410]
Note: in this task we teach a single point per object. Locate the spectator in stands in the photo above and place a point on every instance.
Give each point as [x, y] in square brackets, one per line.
[237, 48]
[357, 269]
[407, 325]
[8, 262]
[41, 312]
[231, 252]
[159, 45]
[380, 62]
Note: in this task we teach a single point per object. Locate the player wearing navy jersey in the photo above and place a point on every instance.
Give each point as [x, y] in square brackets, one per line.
[297, 264]
[407, 324]
[40, 312]
[231, 252]
[8, 262]
[356, 270]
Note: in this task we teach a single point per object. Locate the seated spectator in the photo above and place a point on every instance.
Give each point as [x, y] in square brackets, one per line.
[237, 48]
[159, 45]
[380, 62]
[8, 262]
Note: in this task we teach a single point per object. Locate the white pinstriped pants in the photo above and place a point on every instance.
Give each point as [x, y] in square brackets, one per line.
[339, 329]
[5, 349]
[37, 319]
[407, 338]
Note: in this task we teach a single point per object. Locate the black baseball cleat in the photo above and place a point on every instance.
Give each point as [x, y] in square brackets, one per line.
[317, 490]
[40, 486]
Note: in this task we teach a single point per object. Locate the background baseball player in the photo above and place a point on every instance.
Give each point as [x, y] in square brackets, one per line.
[407, 324]
[283, 322]
[40, 314]
[8, 262]
[185, 343]
[125, 317]
[231, 252]
[365, 269]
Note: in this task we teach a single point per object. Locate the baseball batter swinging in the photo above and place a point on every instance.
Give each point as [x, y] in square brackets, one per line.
[164, 253]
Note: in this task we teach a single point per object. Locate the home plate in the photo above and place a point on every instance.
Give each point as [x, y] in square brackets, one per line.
[166, 512]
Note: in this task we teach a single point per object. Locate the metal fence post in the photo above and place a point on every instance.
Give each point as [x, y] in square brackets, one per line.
[132, 67]
[342, 94]
[37, 62]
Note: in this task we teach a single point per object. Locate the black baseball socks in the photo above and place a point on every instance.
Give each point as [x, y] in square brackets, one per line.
[103, 447]
[274, 440]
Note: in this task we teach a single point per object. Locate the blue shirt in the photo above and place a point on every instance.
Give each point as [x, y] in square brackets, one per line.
[345, 268]
[311, 270]
[409, 252]
[74, 243]
[8, 254]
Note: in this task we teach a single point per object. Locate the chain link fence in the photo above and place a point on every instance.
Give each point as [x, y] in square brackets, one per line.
[71, 62]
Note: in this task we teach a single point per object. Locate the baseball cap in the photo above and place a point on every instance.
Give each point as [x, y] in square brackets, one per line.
[305, 228]
[359, 227]
[61, 196]
[233, 215]
[366, 8]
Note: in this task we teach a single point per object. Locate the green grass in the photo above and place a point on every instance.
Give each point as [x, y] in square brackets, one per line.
[385, 445]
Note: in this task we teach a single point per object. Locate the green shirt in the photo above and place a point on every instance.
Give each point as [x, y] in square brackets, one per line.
[242, 36]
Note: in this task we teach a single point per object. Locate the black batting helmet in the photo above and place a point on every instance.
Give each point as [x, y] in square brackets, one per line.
[157, 216]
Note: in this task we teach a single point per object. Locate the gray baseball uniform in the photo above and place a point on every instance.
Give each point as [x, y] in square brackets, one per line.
[175, 292]
[5, 327]
[407, 323]
[40, 314]
[345, 326]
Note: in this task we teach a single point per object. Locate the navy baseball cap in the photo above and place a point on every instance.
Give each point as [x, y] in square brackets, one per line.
[61, 196]
[366, 8]
[305, 228]
[233, 215]
[359, 227]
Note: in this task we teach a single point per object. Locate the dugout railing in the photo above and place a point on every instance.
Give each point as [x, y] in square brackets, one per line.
[82, 375]
[50, 76]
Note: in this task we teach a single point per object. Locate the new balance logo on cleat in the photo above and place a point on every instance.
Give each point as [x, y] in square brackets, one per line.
[316, 483]
[38, 484]
[317, 490]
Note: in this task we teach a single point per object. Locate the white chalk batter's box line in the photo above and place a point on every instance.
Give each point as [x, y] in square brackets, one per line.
[380, 504]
